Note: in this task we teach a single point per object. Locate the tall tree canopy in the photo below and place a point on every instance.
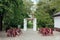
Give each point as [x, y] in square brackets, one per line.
[28, 4]
[13, 12]
[45, 10]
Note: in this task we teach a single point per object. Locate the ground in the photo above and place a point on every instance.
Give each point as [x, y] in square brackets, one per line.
[31, 35]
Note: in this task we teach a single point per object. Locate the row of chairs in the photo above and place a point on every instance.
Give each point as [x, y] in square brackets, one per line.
[13, 32]
[46, 31]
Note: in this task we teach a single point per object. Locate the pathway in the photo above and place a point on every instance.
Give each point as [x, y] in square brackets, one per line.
[31, 35]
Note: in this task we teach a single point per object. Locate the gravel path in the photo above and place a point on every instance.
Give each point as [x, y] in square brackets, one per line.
[31, 35]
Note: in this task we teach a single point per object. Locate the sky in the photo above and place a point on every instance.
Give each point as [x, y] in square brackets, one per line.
[35, 1]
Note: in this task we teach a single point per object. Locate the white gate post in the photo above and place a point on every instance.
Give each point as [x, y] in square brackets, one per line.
[25, 24]
[34, 24]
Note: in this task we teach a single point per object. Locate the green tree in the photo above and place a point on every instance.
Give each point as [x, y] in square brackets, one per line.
[13, 12]
[28, 4]
[42, 14]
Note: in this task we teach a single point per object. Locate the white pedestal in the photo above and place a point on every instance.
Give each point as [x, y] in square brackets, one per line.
[34, 24]
[25, 24]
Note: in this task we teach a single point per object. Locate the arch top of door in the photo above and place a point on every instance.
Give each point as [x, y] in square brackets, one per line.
[29, 18]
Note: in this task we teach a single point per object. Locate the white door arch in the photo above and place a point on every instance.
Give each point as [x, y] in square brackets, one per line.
[34, 24]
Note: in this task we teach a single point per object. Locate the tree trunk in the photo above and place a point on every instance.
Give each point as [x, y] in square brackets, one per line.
[0, 22]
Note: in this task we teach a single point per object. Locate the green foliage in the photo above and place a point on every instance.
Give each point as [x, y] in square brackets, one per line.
[45, 11]
[44, 14]
[14, 12]
[28, 4]
[30, 24]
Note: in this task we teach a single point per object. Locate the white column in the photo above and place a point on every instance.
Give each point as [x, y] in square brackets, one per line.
[34, 24]
[25, 24]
